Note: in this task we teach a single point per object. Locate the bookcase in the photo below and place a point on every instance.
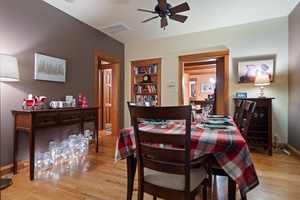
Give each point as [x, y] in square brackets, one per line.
[146, 81]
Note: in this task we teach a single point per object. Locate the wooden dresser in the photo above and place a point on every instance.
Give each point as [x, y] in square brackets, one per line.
[260, 128]
[36, 120]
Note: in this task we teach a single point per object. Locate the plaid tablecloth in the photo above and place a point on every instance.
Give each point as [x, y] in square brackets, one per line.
[228, 146]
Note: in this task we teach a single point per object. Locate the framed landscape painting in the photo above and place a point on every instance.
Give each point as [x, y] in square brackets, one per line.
[207, 87]
[49, 68]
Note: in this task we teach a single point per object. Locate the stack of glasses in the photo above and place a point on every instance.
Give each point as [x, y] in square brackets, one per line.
[73, 147]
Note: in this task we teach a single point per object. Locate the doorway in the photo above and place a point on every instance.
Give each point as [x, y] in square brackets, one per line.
[106, 86]
[222, 76]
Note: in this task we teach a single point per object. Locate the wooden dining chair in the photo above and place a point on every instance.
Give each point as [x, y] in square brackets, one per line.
[248, 109]
[165, 169]
[238, 111]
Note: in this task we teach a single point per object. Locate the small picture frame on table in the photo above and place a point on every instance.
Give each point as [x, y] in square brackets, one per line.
[241, 95]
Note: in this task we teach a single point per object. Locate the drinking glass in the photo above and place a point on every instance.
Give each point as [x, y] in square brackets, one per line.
[209, 108]
[204, 112]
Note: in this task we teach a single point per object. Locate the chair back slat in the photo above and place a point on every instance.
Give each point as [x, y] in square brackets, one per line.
[248, 110]
[238, 112]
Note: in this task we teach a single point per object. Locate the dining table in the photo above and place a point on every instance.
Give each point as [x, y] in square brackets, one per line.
[225, 142]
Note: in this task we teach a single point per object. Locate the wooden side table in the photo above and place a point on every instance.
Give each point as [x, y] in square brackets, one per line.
[32, 121]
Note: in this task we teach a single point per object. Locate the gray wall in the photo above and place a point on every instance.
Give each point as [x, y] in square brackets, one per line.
[33, 26]
[294, 74]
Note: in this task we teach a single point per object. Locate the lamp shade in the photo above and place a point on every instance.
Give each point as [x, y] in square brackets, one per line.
[8, 68]
[262, 80]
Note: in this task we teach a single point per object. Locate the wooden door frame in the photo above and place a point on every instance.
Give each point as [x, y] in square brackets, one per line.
[115, 110]
[222, 74]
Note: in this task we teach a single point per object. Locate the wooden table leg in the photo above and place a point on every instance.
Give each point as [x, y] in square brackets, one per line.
[231, 188]
[16, 151]
[96, 135]
[131, 167]
[31, 154]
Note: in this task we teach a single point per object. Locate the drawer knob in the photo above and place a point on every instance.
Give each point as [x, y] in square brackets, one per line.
[71, 117]
[46, 120]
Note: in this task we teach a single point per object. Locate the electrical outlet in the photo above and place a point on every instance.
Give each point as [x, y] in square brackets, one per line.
[276, 138]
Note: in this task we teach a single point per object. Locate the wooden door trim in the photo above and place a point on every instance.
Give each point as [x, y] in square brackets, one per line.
[98, 55]
[222, 75]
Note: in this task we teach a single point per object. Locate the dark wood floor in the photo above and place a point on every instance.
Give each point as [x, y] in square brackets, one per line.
[96, 177]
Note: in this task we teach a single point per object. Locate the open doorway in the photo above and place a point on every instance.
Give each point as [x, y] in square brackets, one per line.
[106, 86]
[221, 59]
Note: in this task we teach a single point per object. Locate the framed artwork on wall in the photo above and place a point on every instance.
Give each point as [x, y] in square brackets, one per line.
[49, 68]
[248, 70]
[207, 87]
[193, 89]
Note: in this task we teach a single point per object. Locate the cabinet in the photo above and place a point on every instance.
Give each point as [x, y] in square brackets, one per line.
[146, 81]
[260, 128]
[32, 121]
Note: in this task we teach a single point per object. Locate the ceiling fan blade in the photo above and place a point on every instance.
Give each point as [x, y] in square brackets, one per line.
[163, 22]
[179, 18]
[146, 11]
[149, 19]
[180, 8]
[162, 4]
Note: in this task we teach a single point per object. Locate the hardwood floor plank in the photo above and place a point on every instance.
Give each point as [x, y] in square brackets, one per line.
[96, 177]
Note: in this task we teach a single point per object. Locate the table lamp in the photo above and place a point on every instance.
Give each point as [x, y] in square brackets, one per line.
[8, 72]
[261, 80]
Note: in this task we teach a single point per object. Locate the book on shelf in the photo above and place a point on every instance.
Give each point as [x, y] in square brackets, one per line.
[141, 97]
[140, 70]
[153, 69]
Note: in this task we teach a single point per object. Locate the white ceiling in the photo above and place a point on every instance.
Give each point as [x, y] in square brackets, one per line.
[203, 15]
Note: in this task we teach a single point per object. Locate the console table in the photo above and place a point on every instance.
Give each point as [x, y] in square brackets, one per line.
[260, 127]
[36, 120]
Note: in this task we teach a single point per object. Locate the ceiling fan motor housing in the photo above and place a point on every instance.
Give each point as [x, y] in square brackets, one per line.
[163, 13]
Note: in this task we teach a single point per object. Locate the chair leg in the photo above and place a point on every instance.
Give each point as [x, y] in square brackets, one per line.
[244, 197]
[131, 167]
[140, 195]
[204, 193]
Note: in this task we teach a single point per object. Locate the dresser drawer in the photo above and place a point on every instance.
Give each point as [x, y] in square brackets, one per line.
[46, 119]
[70, 117]
[89, 115]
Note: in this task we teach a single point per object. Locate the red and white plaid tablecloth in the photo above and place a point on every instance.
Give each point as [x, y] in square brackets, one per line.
[229, 147]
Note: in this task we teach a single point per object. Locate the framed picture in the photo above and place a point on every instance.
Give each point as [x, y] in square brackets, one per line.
[207, 87]
[193, 89]
[249, 69]
[49, 68]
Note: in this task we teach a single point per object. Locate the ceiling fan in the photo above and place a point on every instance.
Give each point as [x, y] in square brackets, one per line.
[164, 10]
